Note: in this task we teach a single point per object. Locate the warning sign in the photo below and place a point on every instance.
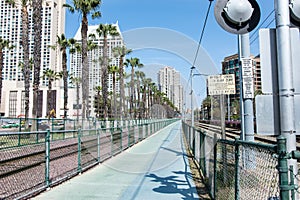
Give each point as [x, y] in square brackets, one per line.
[247, 74]
[221, 84]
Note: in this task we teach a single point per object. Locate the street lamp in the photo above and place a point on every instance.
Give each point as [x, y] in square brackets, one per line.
[192, 106]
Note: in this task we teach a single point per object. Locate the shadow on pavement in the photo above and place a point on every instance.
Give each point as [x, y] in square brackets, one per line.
[173, 184]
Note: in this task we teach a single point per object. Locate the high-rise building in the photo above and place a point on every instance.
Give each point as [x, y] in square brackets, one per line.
[230, 65]
[169, 83]
[95, 57]
[53, 24]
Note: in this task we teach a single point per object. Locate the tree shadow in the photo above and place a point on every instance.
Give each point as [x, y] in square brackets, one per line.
[173, 185]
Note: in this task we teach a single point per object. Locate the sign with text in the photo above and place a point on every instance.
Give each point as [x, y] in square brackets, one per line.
[247, 74]
[221, 84]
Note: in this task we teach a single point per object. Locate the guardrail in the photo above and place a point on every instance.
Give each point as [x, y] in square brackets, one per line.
[30, 162]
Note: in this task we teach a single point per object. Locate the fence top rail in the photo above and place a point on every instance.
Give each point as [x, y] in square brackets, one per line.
[62, 131]
[22, 133]
[271, 147]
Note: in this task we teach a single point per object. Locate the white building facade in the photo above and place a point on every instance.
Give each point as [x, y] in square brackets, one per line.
[53, 24]
[94, 57]
[170, 84]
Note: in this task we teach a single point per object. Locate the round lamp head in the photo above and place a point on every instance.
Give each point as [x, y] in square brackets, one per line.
[237, 16]
[238, 11]
[295, 12]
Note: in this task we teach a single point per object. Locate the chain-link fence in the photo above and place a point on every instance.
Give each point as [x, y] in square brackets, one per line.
[33, 161]
[235, 169]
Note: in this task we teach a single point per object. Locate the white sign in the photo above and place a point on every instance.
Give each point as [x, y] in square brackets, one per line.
[247, 73]
[221, 84]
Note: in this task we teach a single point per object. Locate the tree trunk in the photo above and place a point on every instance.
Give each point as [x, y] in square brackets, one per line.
[104, 78]
[114, 95]
[1, 69]
[65, 80]
[122, 90]
[138, 101]
[132, 91]
[77, 100]
[26, 68]
[85, 67]
[37, 21]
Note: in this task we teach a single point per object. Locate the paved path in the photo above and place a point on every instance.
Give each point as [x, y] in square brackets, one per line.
[155, 168]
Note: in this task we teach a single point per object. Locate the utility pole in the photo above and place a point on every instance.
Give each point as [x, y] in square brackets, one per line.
[285, 77]
[192, 106]
[247, 126]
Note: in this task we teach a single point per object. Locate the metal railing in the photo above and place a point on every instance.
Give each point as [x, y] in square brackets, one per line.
[235, 169]
[30, 162]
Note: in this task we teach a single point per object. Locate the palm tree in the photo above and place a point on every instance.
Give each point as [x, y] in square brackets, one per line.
[25, 44]
[133, 62]
[51, 76]
[139, 76]
[85, 7]
[3, 44]
[151, 91]
[206, 103]
[121, 52]
[62, 44]
[37, 21]
[127, 99]
[146, 82]
[105, 30]
[74, 46]
[98, 102]
[76, 81]
[114, 70]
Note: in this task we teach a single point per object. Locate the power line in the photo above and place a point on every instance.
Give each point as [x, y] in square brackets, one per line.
[258, 35]
[200, 39]
[202, 33]
[262, 23]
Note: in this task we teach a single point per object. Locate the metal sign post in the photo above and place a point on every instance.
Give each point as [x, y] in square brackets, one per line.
[221, 85]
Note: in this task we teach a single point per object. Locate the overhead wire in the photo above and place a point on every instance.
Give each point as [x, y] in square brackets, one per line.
[201, 37]
[265, 27]
[257, 29]
[199, 42]
[202, 32]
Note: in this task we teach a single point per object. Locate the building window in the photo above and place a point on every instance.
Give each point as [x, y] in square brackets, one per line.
[12, 110]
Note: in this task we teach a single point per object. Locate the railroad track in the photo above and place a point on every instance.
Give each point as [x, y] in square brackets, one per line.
[232, 133]
[24, 166]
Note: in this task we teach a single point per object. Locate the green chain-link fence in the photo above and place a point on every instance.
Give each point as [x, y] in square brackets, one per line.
[235, 169]
[33, 161]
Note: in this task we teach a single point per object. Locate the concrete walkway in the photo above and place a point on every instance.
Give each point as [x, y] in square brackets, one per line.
[155, 168]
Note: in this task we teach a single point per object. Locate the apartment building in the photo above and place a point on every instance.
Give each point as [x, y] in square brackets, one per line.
[53, 24]
[170, 84]
[95, 56]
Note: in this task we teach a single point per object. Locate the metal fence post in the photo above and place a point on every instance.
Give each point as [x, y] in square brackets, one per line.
[215, 165]
[204, 154]
[111, 142]
[98, 145]
[47, 148]
[128, 135]
[283, 168]
[121, 134]
[146, 129]
[292, 181]
[193, 142]
[79, 151]
[237, 173]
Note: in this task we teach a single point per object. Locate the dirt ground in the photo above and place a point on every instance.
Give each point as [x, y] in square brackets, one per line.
[197, 176]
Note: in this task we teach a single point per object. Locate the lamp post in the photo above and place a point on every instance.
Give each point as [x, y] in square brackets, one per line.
[192, 106]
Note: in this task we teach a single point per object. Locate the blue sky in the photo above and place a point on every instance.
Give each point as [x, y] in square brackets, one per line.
[183, 17]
